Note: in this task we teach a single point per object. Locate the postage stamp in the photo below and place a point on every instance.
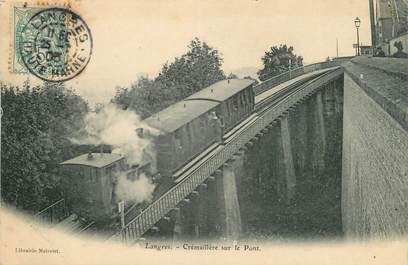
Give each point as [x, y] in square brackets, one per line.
[21, 16]
[54, 44]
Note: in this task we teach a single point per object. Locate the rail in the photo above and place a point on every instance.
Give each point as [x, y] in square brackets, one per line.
[158, 209]
[286, 76]
[54, 213]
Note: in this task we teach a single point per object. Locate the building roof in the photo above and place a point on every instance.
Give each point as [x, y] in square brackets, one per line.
[177, 115]
[98, 160]
[221, 90]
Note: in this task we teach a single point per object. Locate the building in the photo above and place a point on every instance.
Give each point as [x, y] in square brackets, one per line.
[390, 19]
[366, 50]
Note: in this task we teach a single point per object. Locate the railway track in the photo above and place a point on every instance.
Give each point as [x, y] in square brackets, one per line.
[193, 174]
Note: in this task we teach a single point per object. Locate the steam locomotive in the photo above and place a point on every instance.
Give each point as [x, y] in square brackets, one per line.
[186, 128]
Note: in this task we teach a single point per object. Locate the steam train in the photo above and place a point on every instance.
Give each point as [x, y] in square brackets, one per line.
[186, 129]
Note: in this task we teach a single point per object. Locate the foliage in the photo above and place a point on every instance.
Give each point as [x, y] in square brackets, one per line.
[278, 60]
[232, 76]
[146, 96]
[194, 70]
[400, 48]
[35, 127]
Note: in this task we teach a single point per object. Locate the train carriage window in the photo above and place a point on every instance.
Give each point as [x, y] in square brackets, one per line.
[177, 140]
[244, 103]
[202, 123]
[249, 95]
[201, 128]
[189, 132]
[242, 106]
[205, 122]
[227, 109]
[196, 129]
[230, 111]
[185, 141]
[245, 109]
[192, 133]
[193, 127]
[235, 103]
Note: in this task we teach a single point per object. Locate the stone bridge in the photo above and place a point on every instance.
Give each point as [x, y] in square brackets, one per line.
[327, 148]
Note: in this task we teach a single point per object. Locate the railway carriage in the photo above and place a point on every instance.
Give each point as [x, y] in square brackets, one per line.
[194, 124]
[186, 129]
[235, 96]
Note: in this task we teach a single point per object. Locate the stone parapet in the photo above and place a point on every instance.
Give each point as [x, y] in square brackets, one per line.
[385, 80]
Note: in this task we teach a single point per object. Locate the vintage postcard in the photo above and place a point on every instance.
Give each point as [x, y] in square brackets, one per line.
[204, 132]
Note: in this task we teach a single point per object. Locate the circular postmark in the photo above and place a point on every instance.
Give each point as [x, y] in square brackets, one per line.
[55, 45]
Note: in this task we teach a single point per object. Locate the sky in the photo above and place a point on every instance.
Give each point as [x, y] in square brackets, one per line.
[131, 38]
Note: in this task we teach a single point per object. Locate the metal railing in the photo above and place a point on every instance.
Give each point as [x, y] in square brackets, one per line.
[54, 213]
[286, 76]
[158, 209]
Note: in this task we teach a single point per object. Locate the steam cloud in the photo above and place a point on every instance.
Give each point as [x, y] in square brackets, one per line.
[117, 128]
[138, 190]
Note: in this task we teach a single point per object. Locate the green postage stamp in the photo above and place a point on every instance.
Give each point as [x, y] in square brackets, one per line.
[21, 16]
[53, 44]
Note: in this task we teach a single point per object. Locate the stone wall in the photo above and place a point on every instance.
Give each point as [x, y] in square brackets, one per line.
[375, 154]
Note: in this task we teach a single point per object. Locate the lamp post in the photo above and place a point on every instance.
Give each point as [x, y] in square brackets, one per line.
[357, 23]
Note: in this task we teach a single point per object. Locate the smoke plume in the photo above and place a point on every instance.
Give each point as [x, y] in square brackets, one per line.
[117, 128]
[137, 191]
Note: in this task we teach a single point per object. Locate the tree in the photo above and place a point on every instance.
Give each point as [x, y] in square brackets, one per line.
[399, 53]
[36, 124]
[198, 68]
[194, 70]
[278, 60]
[146, 96]
[232, 76]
